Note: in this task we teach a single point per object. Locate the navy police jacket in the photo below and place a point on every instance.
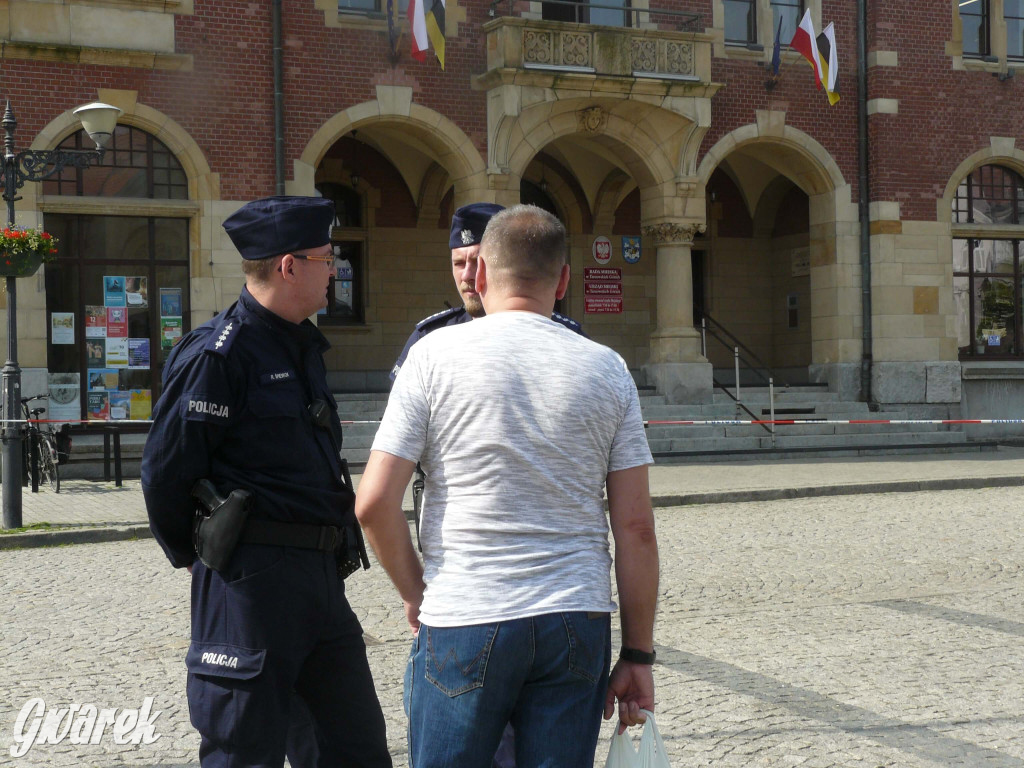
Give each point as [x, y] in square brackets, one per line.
[455, 316]
[235, 410]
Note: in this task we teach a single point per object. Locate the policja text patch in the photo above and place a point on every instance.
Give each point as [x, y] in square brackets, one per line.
[199, 406]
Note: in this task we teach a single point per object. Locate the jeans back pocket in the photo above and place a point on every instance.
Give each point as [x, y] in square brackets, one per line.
[456, 657]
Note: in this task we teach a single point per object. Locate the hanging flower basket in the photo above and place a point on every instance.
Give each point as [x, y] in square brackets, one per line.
[23, 250]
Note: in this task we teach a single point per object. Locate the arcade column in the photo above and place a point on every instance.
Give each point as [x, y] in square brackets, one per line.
[676, 367]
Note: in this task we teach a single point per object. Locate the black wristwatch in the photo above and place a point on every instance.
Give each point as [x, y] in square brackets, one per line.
[636, 656]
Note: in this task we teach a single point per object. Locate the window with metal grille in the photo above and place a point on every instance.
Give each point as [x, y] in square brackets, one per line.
[987, 271]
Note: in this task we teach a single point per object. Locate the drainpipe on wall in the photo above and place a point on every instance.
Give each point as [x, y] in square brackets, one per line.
[863, 186]
[278, 100]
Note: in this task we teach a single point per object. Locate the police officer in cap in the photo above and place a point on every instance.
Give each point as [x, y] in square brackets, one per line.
[468, 225]
[246, 407]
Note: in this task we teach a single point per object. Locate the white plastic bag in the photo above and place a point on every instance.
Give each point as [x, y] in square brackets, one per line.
[650, 755]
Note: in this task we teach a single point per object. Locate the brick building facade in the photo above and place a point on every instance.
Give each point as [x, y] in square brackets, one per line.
[658, 124]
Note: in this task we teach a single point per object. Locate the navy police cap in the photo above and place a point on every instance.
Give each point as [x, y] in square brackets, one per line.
[469, 223]
[276, 225]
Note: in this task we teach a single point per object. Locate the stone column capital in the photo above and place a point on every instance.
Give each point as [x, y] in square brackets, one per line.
[673, 233]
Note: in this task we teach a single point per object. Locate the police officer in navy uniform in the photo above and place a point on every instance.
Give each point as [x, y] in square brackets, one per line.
[246, 406]
[468, 225]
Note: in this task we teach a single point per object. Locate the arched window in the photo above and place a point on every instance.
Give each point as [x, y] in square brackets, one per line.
[122, 271]
[987, 207]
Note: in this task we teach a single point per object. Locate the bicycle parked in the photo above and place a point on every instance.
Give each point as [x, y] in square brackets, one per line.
[42, 455]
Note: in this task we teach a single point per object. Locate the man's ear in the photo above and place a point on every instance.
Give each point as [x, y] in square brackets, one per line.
[563, 282]
[287, 267]
[480, 284]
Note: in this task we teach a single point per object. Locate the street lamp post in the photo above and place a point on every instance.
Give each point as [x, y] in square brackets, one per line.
[98, 120]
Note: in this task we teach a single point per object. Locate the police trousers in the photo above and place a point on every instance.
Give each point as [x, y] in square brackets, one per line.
[276, 622]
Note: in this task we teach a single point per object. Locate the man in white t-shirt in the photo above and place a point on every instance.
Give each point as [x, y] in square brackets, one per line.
[520, 424]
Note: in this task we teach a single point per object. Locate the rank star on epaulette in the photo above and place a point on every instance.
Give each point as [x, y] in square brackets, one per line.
[223, 336]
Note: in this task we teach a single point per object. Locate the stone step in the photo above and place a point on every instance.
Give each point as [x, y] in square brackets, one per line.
[804, 442]
[669, 432]
[750, 395]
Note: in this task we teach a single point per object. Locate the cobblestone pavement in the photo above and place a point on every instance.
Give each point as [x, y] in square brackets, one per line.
[871, 630]
[92, 503]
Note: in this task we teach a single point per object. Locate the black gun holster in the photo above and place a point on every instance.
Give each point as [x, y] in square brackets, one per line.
[219, 523]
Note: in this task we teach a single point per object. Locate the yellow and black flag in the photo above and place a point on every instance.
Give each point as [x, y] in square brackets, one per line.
[426, 18]
[435, 27]
[829, 61]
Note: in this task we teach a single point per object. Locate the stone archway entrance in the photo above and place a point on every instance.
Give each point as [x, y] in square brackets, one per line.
[782, 254]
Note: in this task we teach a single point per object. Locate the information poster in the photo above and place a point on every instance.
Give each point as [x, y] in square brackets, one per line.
[65, 401]
[117, 353]
[170, 331]
[96, 353]
[102, 379]
[170, 301]
[141, 404]
[98, 404]
[136, 291]
[95, 321]
[62, 327]
[117, 322]
[113, 291]
[120, 402]
[138, 353]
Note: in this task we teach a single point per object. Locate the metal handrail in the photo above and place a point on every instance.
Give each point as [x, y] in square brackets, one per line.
[754, 363]
[752, 415]
[688, 20]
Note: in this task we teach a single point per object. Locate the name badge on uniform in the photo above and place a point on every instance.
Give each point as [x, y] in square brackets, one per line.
[275, 377]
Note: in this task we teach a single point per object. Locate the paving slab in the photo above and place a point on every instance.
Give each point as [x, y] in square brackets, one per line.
[867, 630]
[120, 511]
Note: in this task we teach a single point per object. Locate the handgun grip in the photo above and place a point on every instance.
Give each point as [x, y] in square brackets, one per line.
[206, 494]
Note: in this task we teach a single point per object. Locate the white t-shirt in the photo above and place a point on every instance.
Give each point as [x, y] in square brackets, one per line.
[516, 421]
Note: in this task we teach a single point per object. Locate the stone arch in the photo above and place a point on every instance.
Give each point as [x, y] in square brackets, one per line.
[613, 191]
[768, 205]
[203, 184]
[1000, 152]
[573, 206]
[835, 331]
[444, 140]
[432, 191]
[621, 126]
[788, 150]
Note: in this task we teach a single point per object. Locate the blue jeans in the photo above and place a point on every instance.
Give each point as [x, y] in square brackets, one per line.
[547, 675]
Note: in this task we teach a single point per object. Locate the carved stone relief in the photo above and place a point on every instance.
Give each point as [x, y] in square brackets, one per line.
[671, 233]
[575, 49]
[592, 120]
[537, 46]
[679, 58]
[644, 54]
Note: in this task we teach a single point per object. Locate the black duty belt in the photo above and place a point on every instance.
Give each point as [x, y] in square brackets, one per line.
[302, 535]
